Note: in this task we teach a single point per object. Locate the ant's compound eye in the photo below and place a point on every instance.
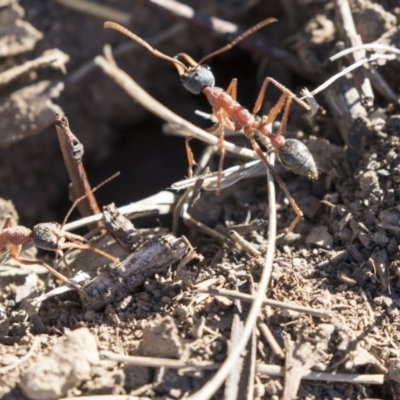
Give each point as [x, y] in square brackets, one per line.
[197, 79]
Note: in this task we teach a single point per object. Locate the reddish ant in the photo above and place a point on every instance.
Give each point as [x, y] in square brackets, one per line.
[49, 236]
[197, 78]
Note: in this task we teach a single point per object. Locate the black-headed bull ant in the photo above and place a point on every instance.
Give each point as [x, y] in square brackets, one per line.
[197, 78]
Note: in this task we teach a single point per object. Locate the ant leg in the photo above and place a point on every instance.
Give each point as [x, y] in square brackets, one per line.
[5, 232]
[189, 155]
[55, 273]
[15, 250]
[84, 246]
[283, 89]
[285, 116]
[74, 238]
[250, 135]
[275, 109]
[7, 222]
[223, 120]
[60, 254]
[220, 116]
[232, 88]
[260, 97]
[290, 94]
[284, 100]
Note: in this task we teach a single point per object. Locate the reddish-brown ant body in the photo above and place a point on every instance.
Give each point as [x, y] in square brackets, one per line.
[197, 78]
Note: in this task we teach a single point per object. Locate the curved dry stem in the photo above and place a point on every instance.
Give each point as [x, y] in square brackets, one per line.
[348, 69]
[157, 362]
[83, 246]
[356, 379]
[210, 388]
[34, 347]
[368, 46]
[161, 203]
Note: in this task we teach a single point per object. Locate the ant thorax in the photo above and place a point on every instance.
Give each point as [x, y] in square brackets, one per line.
[198, 78]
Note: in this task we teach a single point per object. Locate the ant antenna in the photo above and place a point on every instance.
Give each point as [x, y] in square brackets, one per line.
[85, 246]
[113, 25]
[79, 199]
[244, 35]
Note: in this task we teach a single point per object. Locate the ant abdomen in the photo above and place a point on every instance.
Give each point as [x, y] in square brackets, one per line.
[295, 156]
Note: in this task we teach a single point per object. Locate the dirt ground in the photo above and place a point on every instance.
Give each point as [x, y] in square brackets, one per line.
[331, 327]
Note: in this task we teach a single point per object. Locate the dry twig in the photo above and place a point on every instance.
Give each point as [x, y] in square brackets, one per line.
[188, 198]
[269, 302]
[377, 80]
[229, 176]
[352, 38]
[72, 151]
[157, 362]
[356, 379]
[116, 281]
[183, 204]
[244, 244]
[239, 384]
[54, 58]
[96, 10]
[350, 68]
[208, 390]
[368, 46]
[26, 357]
[159, 204]
[269, 337]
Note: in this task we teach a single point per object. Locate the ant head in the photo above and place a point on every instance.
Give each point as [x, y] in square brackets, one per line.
[195, 76]
[198, 78]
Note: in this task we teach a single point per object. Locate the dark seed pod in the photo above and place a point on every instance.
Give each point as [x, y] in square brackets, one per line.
[295, 156]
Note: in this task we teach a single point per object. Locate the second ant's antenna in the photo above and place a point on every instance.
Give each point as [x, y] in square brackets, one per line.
[75, 203]
[244, 35]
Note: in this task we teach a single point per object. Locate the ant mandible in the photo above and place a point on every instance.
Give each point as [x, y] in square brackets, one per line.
[197, 78]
